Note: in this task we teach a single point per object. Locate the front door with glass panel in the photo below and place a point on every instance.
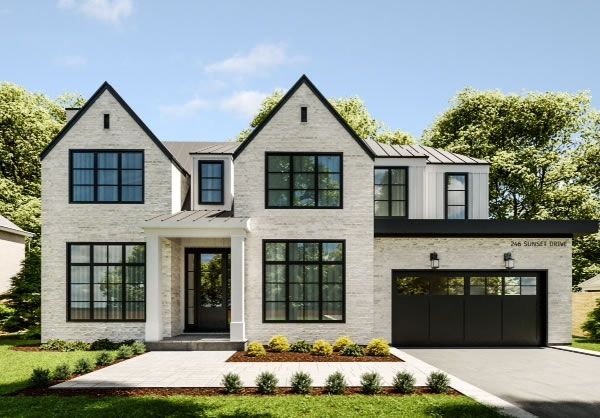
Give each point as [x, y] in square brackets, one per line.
[207, 289]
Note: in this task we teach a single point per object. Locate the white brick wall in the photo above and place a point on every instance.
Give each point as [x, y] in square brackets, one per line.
[354, 222]
[475, 253]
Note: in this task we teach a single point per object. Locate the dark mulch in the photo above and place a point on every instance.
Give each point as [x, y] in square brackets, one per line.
[241, 356]
[26, 348]
[134, 392]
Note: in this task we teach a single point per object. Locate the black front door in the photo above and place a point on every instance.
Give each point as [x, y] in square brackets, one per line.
[207, 302]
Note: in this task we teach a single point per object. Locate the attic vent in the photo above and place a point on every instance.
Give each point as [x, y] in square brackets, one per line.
[303, 114]
[106, 121]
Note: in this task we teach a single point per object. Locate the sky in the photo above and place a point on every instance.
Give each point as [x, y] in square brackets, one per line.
[198, 70]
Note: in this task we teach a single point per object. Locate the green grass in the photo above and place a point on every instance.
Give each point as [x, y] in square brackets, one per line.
[246, 406]
[581, 342]
[16, 366]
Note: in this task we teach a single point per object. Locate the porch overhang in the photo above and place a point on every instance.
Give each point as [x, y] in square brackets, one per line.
[196, 223]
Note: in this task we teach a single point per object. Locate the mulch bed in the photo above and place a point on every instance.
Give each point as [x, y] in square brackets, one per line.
[134, 392]
[32, 348]
[241, 356]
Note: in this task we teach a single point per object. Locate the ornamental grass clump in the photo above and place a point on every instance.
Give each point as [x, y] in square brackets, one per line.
[335, 384]
[83, 366]
[404, 382]
[370, 383]
[321, 348]
[300, 347]
[40, 377]
[138, 347]
[124, 352]
[301, 383]
[231, 383]
[378, 347]
[104, 358]
[438, 382]
[279, 344]
[342, 343]
[62, 372]
[266, 383]
[256, 349]
[352, 350]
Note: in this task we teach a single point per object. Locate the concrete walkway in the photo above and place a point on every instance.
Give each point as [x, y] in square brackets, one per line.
[544, 381]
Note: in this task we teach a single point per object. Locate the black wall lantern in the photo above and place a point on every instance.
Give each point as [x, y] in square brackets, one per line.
[435, 261]
[509, 262]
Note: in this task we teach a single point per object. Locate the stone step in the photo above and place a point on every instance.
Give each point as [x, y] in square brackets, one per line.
[198, 345]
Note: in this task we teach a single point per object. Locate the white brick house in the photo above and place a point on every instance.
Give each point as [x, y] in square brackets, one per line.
[303, 230]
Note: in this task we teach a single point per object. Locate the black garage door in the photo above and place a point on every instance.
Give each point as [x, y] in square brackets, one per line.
[482, 308]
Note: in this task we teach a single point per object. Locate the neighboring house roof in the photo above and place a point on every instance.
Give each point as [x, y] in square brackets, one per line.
[591, 285]
[8, 226]
[105, 86]
[303, 80]
[433, 155]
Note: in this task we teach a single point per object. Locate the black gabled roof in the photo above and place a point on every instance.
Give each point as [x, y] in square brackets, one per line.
[304, 80]
[105, 86]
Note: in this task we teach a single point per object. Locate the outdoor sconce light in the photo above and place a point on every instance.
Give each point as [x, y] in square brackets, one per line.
[509, 262]
[435, 261]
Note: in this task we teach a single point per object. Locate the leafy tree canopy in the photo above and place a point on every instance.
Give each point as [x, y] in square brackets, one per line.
[352, 109]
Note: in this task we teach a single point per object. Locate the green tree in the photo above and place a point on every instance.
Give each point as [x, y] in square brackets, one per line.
[354, 112]
[540, 146]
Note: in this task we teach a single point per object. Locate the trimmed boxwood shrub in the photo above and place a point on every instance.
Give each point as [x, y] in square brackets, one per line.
[279, 344]
[256, 349]
[61, 372]
[62, 345]
[83, 366]
[40, 377]
[104, 358]
[321, 348]
[438, 382]
[353, 350]
[378, 347]
[335, 384]
[124, 352]
[103, 345]
[404, 382]
[232, 383]
[342, 343]
[370, 383]
[138, 347]
[266, 383]
[300, 347]
[301, 383]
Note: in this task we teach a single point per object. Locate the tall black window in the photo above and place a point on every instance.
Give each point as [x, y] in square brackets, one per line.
[107, 177]
[211, 175]
[106, 121]
[304, 181]
[391, 192]
[456, 196]
[106, 282]
[303, 114]
[304, 281]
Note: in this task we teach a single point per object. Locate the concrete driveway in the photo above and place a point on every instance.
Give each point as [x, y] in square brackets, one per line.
[544, 381]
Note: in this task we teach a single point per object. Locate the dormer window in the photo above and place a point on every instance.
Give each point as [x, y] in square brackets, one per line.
[457, 188]
[210, 178]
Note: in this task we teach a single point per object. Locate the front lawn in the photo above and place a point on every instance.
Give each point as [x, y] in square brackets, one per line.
[16, 366]
[246, 406]
[581, 342]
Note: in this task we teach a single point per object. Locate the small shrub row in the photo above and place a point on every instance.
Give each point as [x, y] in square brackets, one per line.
[335, 384]
[344, 345]
[98, 345]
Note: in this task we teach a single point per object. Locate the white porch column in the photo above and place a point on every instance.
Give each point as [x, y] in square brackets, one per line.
[237, 330]
[153, 288]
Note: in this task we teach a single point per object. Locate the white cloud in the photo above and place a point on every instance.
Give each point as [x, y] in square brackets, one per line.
[244, 103]
[109, 11]
[71, 61]
[260, 59]
[189, 108]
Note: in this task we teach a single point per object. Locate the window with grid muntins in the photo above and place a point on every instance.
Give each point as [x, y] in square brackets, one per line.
[304, 181]
[456, 196]
[211, 175]
[304, 281]
[391, 192]
[106, 282]
[107, 177]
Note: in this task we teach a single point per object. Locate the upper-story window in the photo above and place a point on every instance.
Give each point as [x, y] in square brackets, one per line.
[300, 180]
[107, 176]
[457, 190]
[210, 175]
[391, 191]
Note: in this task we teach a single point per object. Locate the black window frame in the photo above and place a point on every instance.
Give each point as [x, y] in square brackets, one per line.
[222, 190]
[390, 200]
[304, 114]
[91, 264]
[446, 205]
[107, 121]
[287, 264]
[119, 169]
[316, 174]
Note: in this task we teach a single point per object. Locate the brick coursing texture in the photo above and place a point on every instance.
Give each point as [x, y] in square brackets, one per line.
[476, 253]
[354, 222]
[63, 222]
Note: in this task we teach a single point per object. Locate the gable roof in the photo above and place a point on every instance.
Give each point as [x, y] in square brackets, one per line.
[104, 87]
[592, 284]
[303, 80]
[8, 226]
[433, 155]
